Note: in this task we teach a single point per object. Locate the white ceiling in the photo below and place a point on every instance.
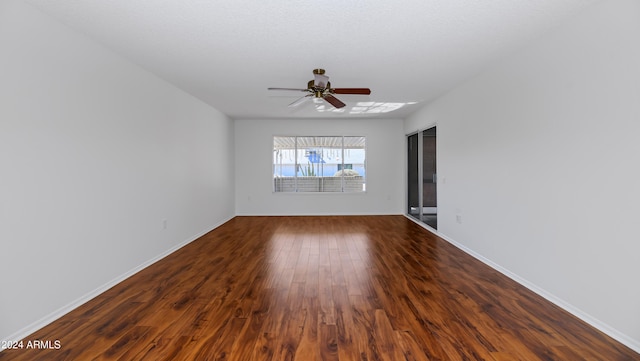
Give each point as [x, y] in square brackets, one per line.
[228, 52]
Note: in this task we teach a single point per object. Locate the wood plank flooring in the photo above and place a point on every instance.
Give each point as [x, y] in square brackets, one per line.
[320, 288]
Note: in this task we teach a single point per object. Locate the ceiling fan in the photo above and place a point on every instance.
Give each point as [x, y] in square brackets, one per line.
[320, 88]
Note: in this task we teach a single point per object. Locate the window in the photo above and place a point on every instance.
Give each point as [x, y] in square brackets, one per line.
[319, 164]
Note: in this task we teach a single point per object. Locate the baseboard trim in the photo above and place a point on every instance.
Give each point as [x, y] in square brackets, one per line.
[315, 214]
[601, 326]
[44, 321]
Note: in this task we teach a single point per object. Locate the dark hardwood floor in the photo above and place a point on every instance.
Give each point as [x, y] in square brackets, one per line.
[320, 288]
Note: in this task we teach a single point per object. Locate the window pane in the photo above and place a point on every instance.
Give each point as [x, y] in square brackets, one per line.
[284, 164]
[354, 164]
[311, 164]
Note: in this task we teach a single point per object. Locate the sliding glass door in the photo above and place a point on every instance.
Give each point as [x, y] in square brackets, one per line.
[422, 201]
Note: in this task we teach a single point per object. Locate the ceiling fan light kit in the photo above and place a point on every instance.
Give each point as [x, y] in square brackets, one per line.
[320, 88]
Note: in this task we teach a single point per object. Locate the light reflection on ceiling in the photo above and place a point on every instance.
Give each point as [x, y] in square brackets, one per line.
[364, 108]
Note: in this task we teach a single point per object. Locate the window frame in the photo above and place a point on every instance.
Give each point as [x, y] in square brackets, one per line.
[277, 187]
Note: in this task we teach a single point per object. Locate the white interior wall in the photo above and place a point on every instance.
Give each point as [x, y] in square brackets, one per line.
[539, 156]
[95, 153]
[254, 174]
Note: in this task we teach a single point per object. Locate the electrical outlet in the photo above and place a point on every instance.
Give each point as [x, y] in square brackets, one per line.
[164, 224]
[459, 218]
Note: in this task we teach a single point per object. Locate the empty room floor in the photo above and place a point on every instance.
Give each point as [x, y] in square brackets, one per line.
[320, 288]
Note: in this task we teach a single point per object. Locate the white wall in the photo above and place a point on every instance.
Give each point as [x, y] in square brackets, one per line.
[540, 158]
[254, 174]
[94, 154]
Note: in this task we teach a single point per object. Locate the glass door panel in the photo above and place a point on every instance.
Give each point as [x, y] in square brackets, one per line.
[429, 178]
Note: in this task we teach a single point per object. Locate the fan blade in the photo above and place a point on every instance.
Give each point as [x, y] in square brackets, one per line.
[300, 100]
[334, 101]
[291, 89]
[320, 80]
[363, 91]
